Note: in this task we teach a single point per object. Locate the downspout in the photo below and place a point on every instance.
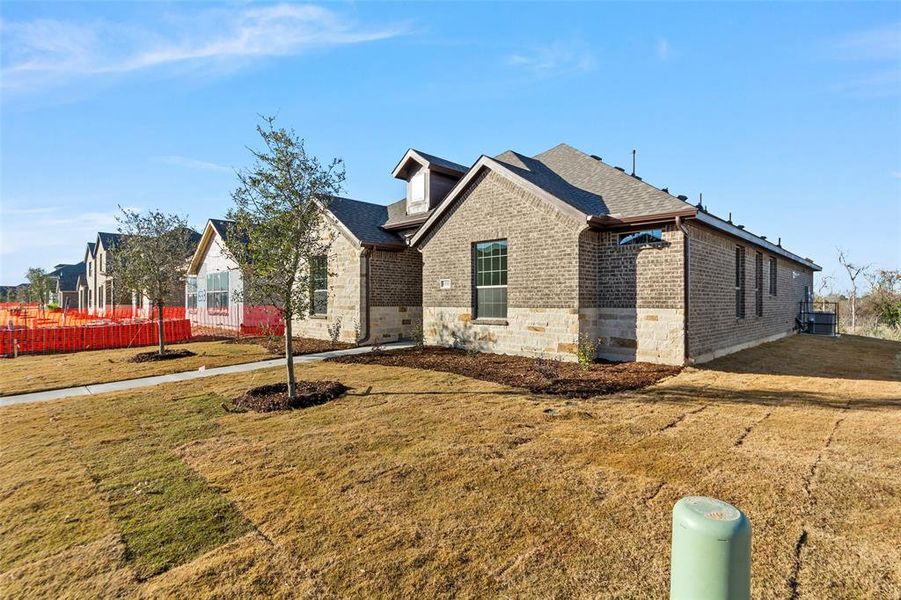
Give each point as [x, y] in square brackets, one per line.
[686, 256]
[367, 252]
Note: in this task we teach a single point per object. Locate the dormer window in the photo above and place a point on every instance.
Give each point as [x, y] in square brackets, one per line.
[417, 201]
[429, 179]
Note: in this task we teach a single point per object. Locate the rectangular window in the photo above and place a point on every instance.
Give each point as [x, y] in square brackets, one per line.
[217, 292]
[491, 279]
[739, 282]
[647, 236]
[758, 284]
[191, 293]
[319, 285]
[773, 276]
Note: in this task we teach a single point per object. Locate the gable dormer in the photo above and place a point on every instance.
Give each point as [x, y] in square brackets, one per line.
[429, 179]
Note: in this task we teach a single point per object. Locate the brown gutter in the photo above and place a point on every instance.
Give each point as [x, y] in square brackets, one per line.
[387, 247]
[615, 222]
[405, 224]
[367, 252]
[686, 257]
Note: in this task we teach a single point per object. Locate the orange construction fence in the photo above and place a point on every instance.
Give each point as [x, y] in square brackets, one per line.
[91, 337]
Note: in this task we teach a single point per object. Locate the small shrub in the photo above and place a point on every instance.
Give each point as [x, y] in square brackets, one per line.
[418, 336]
[587, 350]
[334, 330]
[356, 332]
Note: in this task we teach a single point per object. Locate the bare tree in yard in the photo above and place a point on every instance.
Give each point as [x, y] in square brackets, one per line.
[39, 284]
[279, 215]
[854, 271]
[152, 257]
[825, 289]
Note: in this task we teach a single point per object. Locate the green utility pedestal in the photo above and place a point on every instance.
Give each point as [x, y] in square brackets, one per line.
[711, 554]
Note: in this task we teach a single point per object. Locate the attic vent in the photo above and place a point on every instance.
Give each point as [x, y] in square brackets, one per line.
[665, 190]
[682, 197]
[620, 169]
[596, 157]
[740, 226]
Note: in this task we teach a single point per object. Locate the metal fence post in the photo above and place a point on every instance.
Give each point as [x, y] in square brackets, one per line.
[711, 552]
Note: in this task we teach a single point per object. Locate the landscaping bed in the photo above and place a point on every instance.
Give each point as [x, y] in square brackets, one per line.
[540, 376]
[276, 345]
[167, 354]
[268, 398]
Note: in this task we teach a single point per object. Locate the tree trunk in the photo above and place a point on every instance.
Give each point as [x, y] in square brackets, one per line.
[160, 322]
[289, 359]
[853, 312]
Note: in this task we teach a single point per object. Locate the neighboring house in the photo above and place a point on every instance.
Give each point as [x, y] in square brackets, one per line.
[528, 255]
[100, 294]
[368, 285]
[65, 289]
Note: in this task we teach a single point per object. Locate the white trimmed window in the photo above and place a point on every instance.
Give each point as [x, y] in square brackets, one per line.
[490, 279]
[217, 292]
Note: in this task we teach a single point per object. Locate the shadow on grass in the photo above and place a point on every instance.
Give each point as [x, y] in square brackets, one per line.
[845, 357]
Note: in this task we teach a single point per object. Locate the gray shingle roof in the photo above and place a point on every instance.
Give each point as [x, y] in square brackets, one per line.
[589, 185]
[109, 239]
[364, 220]
[443, 162]
[68, 275]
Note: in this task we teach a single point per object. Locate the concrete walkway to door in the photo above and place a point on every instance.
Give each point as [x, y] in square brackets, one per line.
[129, 384]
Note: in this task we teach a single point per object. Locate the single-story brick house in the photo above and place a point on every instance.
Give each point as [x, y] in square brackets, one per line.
[524, 255]
[528, 255]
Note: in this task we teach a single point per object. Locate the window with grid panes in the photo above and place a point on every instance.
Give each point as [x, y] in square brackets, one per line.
[491, 279]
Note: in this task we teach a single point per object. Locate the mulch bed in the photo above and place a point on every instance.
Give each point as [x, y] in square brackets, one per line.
[276, 345]
[540, 376]
[268, 398]
[156, 356]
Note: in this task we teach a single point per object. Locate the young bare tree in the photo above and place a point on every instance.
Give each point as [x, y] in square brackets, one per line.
[151, 258]
[854, 271]
[279, 211]
[40, 284]
[824, 289]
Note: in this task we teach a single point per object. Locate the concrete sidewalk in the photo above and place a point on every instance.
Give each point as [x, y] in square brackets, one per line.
[130, 384]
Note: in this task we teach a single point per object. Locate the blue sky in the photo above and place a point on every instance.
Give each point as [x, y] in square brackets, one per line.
[786, 115]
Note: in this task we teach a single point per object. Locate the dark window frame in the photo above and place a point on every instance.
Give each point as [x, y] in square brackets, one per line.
[641, 237]
[774, 276]
[758, 284]
[489, 279]
[740, 311]
[319, 285]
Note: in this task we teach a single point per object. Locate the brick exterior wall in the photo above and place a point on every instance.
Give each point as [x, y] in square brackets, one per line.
[543, 266]
[542, 258]
[713, 327]
[345, 292]
[395, 295]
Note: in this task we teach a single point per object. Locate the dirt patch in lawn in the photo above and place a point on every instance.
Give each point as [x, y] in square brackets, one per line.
[540, 376]
[276, 345]
[153, 356]
[267, 398]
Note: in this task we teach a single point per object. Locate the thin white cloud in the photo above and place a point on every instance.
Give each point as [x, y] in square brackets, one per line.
[27, 211]
[191, 163]
[557, 58]
[46, 51]
[663, 49]
[26, 236]
[881, 43]
[896, 174]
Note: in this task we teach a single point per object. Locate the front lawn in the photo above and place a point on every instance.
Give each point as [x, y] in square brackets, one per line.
[422, 483]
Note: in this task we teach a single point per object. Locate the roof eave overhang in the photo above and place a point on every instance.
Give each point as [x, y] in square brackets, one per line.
[399, 247]
[613, 222]
[209, 232]
[737, 232]
[408, 224]
[400, 171]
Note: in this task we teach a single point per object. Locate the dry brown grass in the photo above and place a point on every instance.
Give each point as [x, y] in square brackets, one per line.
[432, 484]
[53, 371]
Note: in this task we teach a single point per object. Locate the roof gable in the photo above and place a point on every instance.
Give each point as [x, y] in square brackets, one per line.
[436, 163]
[214, 228]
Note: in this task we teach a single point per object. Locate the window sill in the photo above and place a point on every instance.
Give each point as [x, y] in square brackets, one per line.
[500, 322]
[319, 317]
